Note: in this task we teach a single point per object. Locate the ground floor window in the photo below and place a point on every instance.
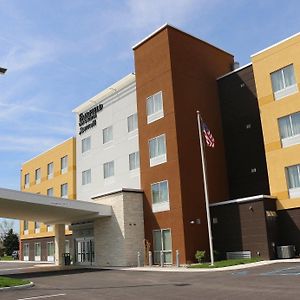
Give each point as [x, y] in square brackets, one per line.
[26, 251]
[37, 251]
[67, 246]
[162, 241]
[50, 251]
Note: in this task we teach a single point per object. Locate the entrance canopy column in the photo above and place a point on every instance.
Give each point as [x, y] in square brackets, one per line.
[59, 242]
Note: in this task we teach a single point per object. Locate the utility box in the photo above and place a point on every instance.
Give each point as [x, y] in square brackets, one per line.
[286, 251]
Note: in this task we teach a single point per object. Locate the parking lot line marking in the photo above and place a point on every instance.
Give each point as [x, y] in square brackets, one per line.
[42, 297]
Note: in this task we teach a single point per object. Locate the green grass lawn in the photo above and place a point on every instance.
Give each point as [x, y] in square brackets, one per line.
[226, 263]
[6, 258]
[7, 281]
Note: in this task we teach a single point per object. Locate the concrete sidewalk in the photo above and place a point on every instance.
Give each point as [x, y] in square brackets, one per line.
[197, 270]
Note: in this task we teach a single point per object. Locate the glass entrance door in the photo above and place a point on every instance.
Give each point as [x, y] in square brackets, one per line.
[85, 251]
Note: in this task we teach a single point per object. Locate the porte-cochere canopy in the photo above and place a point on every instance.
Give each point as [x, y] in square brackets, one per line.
[49, 210]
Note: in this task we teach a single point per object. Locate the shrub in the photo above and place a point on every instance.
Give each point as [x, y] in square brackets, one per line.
[200, 255]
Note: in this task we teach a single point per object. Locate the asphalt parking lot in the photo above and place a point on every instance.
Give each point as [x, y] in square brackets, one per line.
[276, 281]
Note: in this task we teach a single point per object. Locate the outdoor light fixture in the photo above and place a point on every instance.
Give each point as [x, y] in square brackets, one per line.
[2, 71]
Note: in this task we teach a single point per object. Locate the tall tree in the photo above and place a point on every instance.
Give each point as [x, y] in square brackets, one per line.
[11, 242]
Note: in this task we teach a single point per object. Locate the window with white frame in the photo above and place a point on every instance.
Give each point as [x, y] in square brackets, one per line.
[86, 177]
[37, 227]
[37, 251]
[108, 169]
[26, 251]
[26, 224]
[155, 109]
[26, 180]
[64, 164]
[50, 192]
[134, 161]
[293, 176]
[284, 82]
[157, 150]
[86, 144]
[50, 251]
[289, 127]
[160, 196]
[50, 170]
[132, 123]
[49, 228]
[38, 176]
[162, 241]
[64, 190]
[107, 134]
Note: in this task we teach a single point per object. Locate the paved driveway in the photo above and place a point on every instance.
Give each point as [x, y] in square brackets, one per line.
[266, 282]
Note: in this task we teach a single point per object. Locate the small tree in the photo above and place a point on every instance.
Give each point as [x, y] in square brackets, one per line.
[11, 242]
[200, 255]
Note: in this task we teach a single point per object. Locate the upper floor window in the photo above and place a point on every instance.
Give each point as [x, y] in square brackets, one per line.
[155, 109]
[293, 174]
[64, 164]
[50, 170]
[38, 176]
[284, 82]
[160, 196]
[86, 177]
[26, 180]
[86, 144]
[26, 226]
[107, 134]
[108, 169]
[134, 160]
[37, 227]
[132, 123]
[50, 192]
[157, 150]
[64, 190]
[289, 127]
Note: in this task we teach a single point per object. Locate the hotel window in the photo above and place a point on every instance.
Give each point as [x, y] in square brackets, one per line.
[50, 251]
[50, 170]
[160, 196]
[157, 149]
[26, 180]
[86, 144]
[49, 228]
[37, 227]
[67, 246]
[284, 82]
[134, 160]
[64, 164]
[107, 134]
[132, 123]
[162, 241]
[293, 175]
[289, 127]
[37, 251]
[86, 177]
[50, 192]
[108, 169]
[64, 190]
[25, 227]
[38, 176]
[155, 109]
[26, 252]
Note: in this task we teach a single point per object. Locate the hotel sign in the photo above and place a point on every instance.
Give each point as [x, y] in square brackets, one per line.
[88, 120]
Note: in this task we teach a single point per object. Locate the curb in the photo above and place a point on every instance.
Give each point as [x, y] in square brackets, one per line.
[18, 287]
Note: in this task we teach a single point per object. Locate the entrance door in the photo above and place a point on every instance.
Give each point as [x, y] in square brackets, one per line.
[85, 251]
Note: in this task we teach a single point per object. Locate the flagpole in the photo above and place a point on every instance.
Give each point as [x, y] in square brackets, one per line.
[205, 188]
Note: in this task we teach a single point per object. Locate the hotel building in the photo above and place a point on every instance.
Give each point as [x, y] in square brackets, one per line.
[51, 173]
[139, 179]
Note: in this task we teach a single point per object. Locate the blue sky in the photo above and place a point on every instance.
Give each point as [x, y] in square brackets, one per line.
[59, 53]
